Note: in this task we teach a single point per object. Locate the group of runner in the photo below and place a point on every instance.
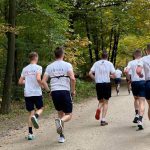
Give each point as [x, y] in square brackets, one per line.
[138, 70]
[62, 87]
[137, 75]
[62, 81]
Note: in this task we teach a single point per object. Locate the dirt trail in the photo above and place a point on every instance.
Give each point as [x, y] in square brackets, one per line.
[84, 132]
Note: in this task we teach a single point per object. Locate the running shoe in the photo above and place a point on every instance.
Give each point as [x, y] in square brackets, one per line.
[140, 125]
[97, 115]
[59, 126]
[104, 123]
[136, 120]
[61, 139]
[30, 137]
[35, 122]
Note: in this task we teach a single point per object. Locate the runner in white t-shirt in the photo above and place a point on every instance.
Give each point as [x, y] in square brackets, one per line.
[138, 88]
[100, 73]
[62, 83]
[31, 78]
[145, 64]
[118, 74]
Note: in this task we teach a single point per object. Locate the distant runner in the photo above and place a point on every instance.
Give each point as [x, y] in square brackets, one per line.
[145, 64]
[128, 79]
[61, 77]
[31, 78]
[118, 75]
[100, 73]
[138, 88]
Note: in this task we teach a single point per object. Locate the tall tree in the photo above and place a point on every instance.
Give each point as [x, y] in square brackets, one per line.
[6, 99]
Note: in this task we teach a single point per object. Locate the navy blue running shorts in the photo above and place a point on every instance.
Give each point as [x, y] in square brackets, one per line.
[147, 90]
[138, 88]
[62, 101]
[33, 101]
[117, 80]
[103, 91]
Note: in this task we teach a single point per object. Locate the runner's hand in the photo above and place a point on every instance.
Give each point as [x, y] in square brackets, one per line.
[141, 75]
[73, 93]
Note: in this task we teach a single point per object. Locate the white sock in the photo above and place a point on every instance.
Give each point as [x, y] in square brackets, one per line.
[137, 115]
[103, 119]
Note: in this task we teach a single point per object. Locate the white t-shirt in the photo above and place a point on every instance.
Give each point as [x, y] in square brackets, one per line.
[132, 66]
[118, 73]
[102, 70]
[32, 87]
[146, 64]
[56, 69]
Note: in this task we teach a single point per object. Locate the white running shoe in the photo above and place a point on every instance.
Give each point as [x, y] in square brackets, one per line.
[59, 126]
[61, 139]
[35, 122]
[30, 137]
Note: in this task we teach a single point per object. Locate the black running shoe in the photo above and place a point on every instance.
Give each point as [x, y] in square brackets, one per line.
[135, 120]
[140, 126]
[104, 123]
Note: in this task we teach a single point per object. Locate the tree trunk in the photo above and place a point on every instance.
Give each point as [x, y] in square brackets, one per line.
[101, 32]
[110, 44]
[89, 38]
[6, 99]
[96, 49]
[115, 47]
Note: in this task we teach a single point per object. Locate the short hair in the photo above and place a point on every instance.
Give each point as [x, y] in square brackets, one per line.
[33, 55]
[59, 52]
[137, 53]
[148, 47]
[104, 55]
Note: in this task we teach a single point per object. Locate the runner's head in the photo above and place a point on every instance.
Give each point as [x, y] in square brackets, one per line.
[137, 54]
[33, 57]
[104, 55]
[148, 49]
[59, 53]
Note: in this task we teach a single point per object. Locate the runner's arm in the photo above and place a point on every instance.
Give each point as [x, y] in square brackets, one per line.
[44, 83]
[91, 74]
[21, 81]
[113, 75]
[22, 78]
[38, 78]
[127, 69]
[73, 81]
[139, 71]
[112, 72]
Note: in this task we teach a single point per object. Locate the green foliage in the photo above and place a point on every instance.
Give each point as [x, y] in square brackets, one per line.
[128, 45]
[84, 89]
[43, 25]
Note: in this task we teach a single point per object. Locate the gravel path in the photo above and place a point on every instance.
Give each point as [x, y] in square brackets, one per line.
[84, 132]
